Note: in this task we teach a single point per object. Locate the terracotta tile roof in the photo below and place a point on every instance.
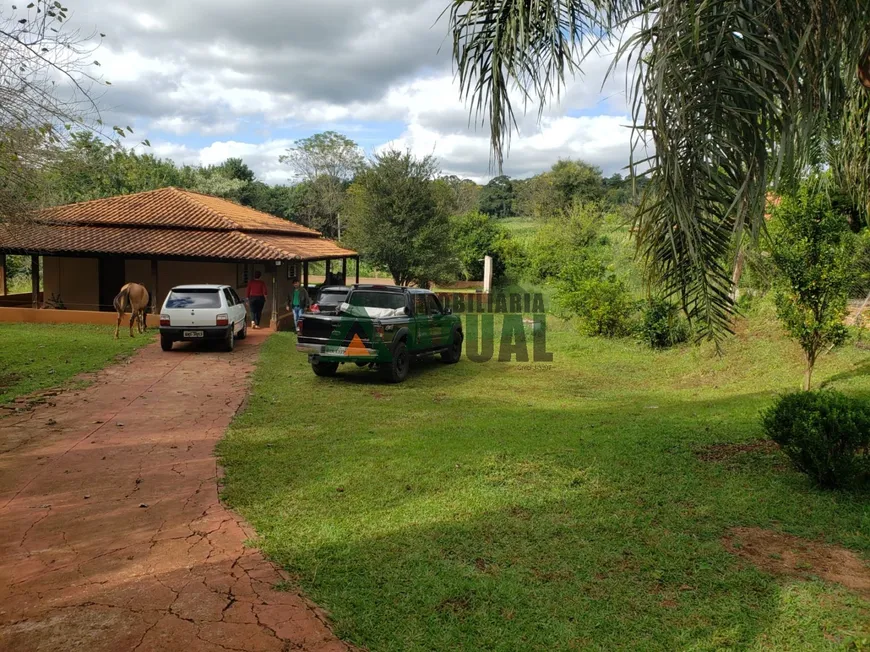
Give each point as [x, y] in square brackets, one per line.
[303, 248]
[54, 239]
[167, 222]
[172, 207]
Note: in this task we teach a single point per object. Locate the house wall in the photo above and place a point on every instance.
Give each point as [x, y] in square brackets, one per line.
[75, 280]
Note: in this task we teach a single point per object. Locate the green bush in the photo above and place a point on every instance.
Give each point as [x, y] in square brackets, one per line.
[825, 434]
[560, 240]
[586, 289]
[661, 325]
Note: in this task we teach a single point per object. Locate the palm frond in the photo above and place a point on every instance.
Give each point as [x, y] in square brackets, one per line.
[733, 97]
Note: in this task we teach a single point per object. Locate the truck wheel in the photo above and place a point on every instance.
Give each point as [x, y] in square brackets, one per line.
[166, 342]
[324, 369]
[230, 341]
[454, 352]
[396, 370]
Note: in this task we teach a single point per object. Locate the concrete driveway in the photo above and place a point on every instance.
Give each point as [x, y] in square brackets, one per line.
[113, 537]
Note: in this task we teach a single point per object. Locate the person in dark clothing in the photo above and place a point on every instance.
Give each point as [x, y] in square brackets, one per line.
[256, 295]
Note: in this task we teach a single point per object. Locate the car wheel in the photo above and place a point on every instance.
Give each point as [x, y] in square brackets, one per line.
[244, 332]
[166, 343]
[230, 341]
[454, 352]
[396, 370]
[324, 369]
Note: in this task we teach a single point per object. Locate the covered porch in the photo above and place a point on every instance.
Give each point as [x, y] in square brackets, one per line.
[88, 283]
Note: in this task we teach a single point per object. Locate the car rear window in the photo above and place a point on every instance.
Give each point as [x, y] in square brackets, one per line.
[194, 298]
[331, 297]
[370, 299]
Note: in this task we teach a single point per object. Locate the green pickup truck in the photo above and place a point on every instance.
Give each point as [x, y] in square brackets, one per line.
[382, 327]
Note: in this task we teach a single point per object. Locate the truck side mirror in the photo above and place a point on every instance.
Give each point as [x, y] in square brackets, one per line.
[448, 311]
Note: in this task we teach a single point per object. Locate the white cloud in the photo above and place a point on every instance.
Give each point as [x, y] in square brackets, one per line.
[201, 69]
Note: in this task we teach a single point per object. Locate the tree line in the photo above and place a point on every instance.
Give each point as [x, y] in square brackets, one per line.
[398, 210]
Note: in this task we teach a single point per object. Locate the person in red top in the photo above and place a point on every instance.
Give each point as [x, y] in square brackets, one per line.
[256, 295]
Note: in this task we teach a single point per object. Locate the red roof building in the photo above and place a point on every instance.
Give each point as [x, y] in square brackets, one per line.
[163, 238]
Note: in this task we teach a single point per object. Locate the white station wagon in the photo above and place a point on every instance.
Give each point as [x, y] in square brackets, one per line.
[194, 313]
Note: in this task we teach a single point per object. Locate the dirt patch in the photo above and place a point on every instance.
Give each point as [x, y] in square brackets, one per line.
[786, 554]
[7, 380]
[727, 452]
[457, 606]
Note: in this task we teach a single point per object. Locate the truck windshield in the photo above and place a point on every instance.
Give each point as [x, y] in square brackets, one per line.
[374, 299]
[194, 298]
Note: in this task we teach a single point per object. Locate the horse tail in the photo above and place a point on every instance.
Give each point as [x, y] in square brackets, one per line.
[123, 299]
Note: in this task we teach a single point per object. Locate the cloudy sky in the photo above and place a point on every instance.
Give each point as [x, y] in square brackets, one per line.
[204, 81]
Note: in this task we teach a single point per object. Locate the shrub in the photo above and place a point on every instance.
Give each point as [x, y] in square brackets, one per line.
[560, 240]
[661, 325]
[825, 434]
[586, 290]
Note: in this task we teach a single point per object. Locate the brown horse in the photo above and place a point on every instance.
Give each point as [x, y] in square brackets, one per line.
[135, 298]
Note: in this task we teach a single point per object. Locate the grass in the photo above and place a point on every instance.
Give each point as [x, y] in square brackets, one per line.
[494, 506]
[40, 356]
[521, 227]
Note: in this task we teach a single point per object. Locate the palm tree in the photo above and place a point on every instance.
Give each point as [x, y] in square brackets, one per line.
[730, 99]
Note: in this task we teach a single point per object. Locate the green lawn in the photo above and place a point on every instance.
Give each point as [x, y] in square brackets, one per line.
[521, 227]
[39, 356]
[487, 506]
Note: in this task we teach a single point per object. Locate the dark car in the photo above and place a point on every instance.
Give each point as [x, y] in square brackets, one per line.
[329, 298]
[380, 326]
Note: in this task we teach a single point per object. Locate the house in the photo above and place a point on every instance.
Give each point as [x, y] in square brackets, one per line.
[162, 238]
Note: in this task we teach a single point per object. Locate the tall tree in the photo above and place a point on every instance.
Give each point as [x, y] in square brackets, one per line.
[327, 161]
[394, 220]
[729, 95]
[236, 168]
[497, 197]
[576, 181]
[456, 196]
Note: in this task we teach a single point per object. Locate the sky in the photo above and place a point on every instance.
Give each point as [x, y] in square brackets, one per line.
[204, 81]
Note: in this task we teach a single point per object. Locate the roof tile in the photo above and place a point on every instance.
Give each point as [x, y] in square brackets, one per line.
[227, 245]
[171, 207]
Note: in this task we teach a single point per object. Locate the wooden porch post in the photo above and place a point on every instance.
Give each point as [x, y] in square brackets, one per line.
[305, 274]
[273, 321]
[344, 271]
[3, 284]
[34, 279]
[328, 271]
[154, 286]
[357, 269]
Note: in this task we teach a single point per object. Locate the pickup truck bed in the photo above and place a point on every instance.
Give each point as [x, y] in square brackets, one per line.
[415, 326]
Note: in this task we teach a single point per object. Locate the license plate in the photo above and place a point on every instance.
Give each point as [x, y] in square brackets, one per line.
[193, 333]
[344, 350]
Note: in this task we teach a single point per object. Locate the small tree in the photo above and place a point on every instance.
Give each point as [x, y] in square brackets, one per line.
[813, 251]
[394, 220]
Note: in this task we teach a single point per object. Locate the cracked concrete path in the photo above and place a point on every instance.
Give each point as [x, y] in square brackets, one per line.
[113, 537]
